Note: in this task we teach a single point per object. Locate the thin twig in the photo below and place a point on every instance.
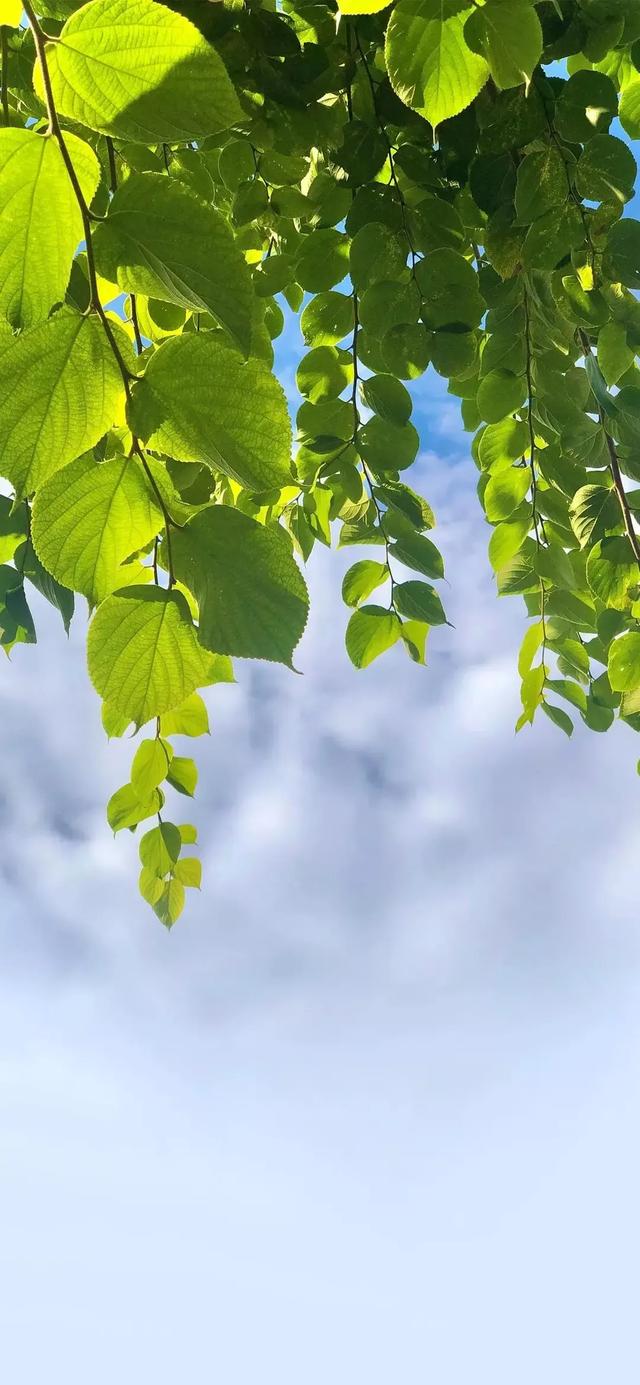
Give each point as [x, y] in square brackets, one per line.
[614, 466]
[4, 43]
[135, 324]
[573, 196]
[54, 129]
[113, 171]
[532, 462]
[137, 449]
[113, 179]
[392, 166]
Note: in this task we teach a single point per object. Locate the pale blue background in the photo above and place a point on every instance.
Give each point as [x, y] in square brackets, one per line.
[370, 1112]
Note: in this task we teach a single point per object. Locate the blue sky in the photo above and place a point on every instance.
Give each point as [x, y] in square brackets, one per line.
[370, 1111]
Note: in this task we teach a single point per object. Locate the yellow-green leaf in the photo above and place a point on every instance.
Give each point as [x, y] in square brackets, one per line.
[139, 71]
[431, 67]
[143, 653]
[61, 388]
[40, 221]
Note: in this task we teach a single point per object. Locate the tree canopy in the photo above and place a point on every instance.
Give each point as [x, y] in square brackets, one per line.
[429, 185]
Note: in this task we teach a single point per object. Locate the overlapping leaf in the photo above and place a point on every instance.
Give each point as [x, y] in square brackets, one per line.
[61, 387]
[139, 71]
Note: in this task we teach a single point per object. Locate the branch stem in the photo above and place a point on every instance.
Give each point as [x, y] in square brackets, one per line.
[4, 46]
[614, 468]
[40, 40]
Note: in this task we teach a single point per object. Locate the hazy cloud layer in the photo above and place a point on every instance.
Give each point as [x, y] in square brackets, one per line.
[369, 1112]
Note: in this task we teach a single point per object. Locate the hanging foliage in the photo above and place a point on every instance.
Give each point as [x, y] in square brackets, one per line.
[429, 185]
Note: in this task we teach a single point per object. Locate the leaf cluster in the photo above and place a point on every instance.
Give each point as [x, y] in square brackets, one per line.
[425, 184]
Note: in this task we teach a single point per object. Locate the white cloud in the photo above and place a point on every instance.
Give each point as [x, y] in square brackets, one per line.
[329, 1127]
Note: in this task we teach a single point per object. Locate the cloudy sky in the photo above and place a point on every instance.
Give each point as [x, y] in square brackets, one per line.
[370, 1111]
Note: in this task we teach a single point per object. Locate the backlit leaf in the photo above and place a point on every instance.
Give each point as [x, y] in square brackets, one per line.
[40, 222]
[624, 663]
[251, 594]
[508, 35]
[371, 631]
[430, 65]
[139, 71]
[200, 402]
[91, 516]
[163, 240]
[362, 579]
[144, 657]
[60, 390]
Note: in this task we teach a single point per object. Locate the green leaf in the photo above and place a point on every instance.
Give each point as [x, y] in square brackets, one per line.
[377, 254]
[593, 510]
[150, 765]
[398, 496]
[500, 392]
[622, 257]
[507, 539]
[137, 70]
[162, 240]
[160, 848]
[126, 809]
[554, 565]
[113, 722]
[588, 101]
[419, 601]
[503, 443]
[414, 638]
[327, 319]
[188, 834]
[191, 718]
[371, 631]
[531, 692]
[418, 552]
[323, 260]
[606, 170]
[573, 657]
[361, 579]
[611, 571]
[630, 109]
[171, 903]
[324, 373]
[614, 355]
[508, 35]
[252, 597]
[387, 305]
[624, 663]
[572, 692]
[517, 575]
[57, 595]
[144, 657]
[16, 621]
[183, 775]
[150, 885]
[91, 516]
[189, 872]
[61, 388]
[558, 717]
[531, 642]
[541, 184]
[13, 527]
[505, 491]
[199, 402]
[551, 237]
[388, 398]
[428, 61]
[388, 446]
[40, 221]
